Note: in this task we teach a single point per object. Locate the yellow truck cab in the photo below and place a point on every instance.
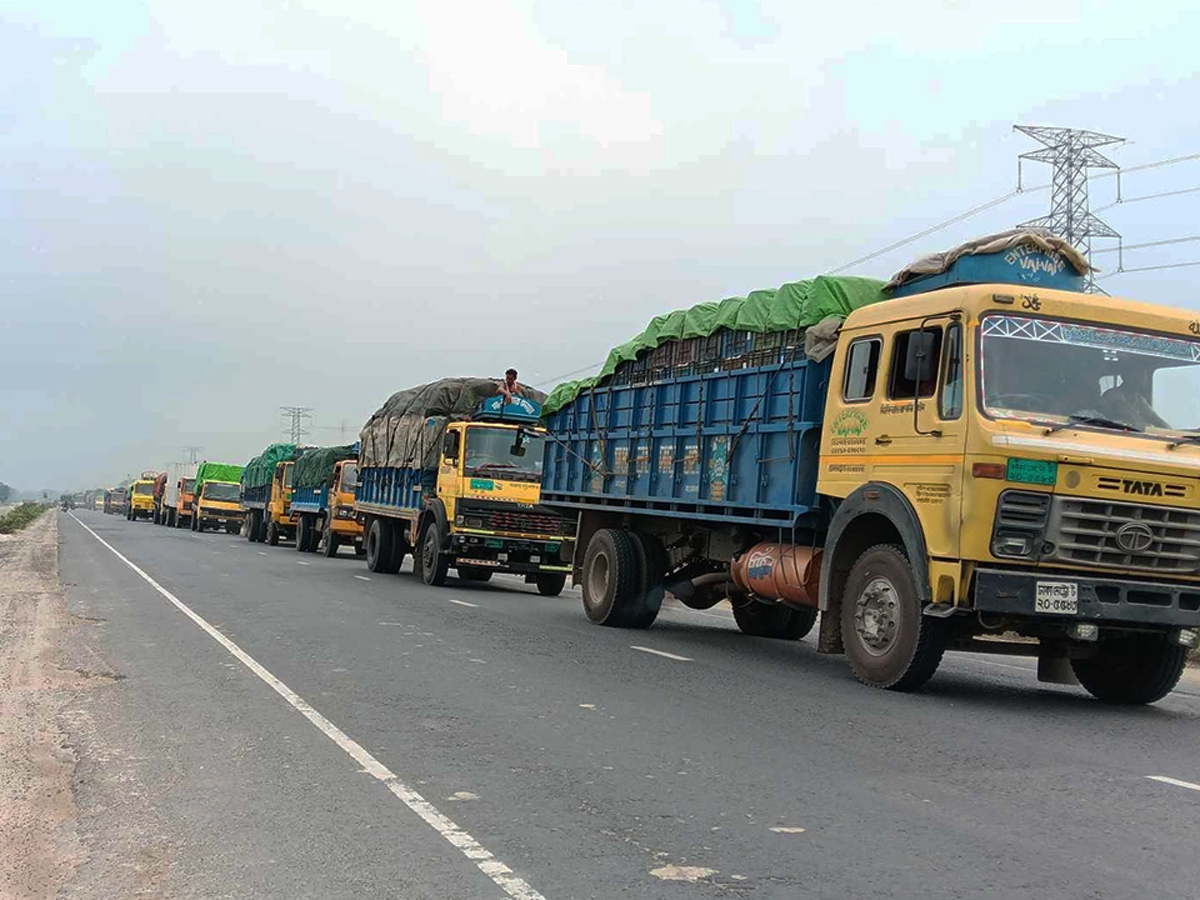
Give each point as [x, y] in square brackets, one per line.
[217, 505]
[1027, 461]
[342, 524]
[187, 499]
[468, 495]
[280, 520]
[140, 503]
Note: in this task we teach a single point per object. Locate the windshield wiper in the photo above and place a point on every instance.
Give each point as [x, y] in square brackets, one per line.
[1177, 439]
[1097, 421]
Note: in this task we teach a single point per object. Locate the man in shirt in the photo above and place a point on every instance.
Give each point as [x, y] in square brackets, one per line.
[510, 387]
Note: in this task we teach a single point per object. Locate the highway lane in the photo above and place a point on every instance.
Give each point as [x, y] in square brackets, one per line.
[589, 767]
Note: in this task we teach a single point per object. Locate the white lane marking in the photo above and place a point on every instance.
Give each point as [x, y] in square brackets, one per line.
[498, 872]
[362, 577]
[260, 552]
[786, 829]
[464, 603]
[1175, 781]
[661, 653]
[300, 563]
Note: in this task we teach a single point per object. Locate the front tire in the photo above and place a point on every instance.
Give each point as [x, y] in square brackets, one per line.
[551, 584]
[888, 641]
[785, 623]
[434, 562]
[379, 545]
[1131, 670]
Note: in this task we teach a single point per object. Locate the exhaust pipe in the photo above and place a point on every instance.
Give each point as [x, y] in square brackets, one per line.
[779, 572]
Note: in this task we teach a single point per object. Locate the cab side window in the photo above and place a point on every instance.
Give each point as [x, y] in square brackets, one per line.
[915, 357]
[862, 365]
[951, 402]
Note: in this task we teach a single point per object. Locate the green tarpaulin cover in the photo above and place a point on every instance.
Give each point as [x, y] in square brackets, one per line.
[315, 468]
[260, 470]
[214, 471]
[799, 304]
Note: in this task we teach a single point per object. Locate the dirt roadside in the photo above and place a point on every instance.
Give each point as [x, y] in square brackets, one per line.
[39, 845]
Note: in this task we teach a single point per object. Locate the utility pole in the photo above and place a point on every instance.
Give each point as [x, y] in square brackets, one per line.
[191, 452]
[297, 417]
[1071, 152]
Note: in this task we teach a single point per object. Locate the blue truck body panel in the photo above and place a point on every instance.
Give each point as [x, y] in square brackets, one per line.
[740, 445]
[310, 499]
[393, 487]
[256, 497]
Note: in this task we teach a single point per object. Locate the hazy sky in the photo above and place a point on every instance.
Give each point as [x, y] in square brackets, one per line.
[209, 210]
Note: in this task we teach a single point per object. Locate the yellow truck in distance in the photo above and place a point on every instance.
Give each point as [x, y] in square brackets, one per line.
[140, 502]
[323, 499]
[217, 498]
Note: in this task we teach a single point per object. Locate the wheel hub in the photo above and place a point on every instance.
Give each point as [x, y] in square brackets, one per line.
[877, 615]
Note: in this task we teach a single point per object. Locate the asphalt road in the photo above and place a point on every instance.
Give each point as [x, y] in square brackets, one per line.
[556, 759]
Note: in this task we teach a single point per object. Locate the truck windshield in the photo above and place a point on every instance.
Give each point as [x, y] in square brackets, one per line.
[143, 488]
[489, 452]
[189, 485]
[1066, 372]
[214, 490]
[349, 477]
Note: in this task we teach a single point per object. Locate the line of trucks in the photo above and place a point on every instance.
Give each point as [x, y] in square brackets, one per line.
[975, 456]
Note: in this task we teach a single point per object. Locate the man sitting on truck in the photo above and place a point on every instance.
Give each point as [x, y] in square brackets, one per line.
[510, 386]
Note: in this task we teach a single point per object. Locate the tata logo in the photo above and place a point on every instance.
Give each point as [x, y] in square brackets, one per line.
[1142, 488]
[1135, 537]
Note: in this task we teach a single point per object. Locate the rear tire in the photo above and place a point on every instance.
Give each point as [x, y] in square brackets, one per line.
[303, 534]
[888, 641]
[1133, 669]
[778, 621]
[435, 564]
[551, 584]
[610, 578]
[379, 545]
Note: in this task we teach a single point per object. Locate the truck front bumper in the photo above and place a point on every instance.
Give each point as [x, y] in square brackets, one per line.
[505, 554]
[1097, 599]
[220, 516]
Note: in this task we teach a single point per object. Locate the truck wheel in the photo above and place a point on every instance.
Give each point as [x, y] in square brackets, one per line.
[379, 545]
[474, 573]
[652, 562]
[774, 621]
[1134, 669]
[434, 562]
[303, 529]
[330, 538]
[251, 521]
[199, 525]
[272, 533]
[889, 643]
[610, 578]
[551, 584]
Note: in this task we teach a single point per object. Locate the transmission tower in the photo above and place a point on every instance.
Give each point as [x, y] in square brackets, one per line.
[298, 417]
[1071, 152]
[190, 452]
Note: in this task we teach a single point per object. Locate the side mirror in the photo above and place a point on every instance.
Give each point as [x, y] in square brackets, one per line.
[918, 361]
[450, 446]
[518, 447]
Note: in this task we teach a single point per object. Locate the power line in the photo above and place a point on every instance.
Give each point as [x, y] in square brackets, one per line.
[1021, 189]
[1181, 240]
[556, 378]
[1152, 268]
[928, 231]
[1121, 202]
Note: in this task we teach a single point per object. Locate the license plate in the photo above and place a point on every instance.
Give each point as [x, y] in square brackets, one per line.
[1060, 598]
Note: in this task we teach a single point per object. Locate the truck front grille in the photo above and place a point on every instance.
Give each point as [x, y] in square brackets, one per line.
[1125, 535]
[510, 518]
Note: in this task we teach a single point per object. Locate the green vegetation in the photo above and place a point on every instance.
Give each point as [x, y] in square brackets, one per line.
[5, 492]
[16, 519]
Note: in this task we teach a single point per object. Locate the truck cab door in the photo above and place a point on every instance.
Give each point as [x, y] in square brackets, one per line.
[920, 439]
[449, 477]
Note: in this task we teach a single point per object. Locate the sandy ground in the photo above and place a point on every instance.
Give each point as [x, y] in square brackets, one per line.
[39, 847]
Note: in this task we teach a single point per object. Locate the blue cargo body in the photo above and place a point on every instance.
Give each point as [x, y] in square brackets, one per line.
[310, 499]
[728, 446]
[390, 489]
[256, 497]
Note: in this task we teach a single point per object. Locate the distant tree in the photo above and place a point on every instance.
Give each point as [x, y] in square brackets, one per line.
[5, 492]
